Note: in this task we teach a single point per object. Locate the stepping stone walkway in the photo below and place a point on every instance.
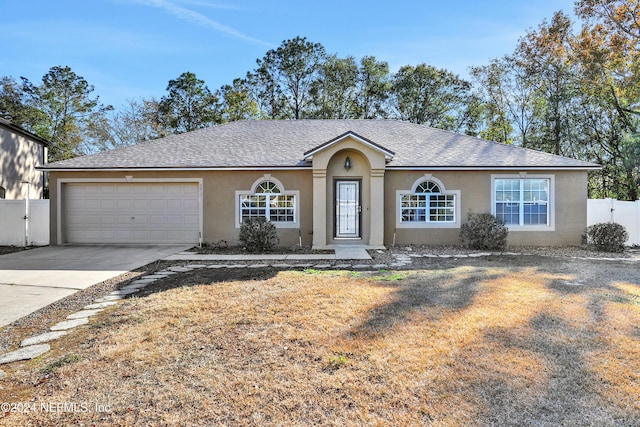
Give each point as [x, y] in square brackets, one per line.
[35, 346]
[69, 324]
[42, 338]
[108, 298]
[84, 313]
[123, 292]
[99, 305]
[25, 353]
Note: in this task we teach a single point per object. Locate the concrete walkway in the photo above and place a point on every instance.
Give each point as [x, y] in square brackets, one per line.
[343, 253]
[30, 280]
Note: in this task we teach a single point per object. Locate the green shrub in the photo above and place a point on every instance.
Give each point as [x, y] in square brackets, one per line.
[607, 237]
[258, 235]
[484, 231]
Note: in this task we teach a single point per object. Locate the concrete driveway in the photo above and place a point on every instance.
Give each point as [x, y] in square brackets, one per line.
[30, 280]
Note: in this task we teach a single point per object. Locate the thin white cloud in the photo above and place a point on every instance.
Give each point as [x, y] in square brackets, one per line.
[205, 3]
[197, 18]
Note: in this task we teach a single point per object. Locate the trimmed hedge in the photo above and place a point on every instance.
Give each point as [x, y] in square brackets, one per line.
[484, 231]
[606, 237]
[258, 235]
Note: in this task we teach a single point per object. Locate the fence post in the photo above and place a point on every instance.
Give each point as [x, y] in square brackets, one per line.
[27, 214]
[612, 209]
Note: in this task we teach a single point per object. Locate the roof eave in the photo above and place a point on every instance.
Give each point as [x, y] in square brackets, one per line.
[170, 168]
[308, 167]
[489, 167]
[24, 132]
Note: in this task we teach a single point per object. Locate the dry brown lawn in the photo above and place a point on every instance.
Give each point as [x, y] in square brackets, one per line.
[458, 344]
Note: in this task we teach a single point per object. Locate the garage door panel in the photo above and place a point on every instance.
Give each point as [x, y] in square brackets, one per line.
[143, 221]
[157, 220]
[122, 235]
[190, 204]
[124, 204]
[123, 190]
[157, 204]
[131, 212]
[141, 204]
[142, 235]
[191, 220]
[123, 219]
[174, 204]
[100, 189]
[107, 204]
[107, 219]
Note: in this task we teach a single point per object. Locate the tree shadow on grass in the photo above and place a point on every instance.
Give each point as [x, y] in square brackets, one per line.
[206, 276]
[572, 385]
[451, 289]
[565, 390]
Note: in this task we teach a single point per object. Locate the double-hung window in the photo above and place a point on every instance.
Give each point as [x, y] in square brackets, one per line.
[268, 200]
[524, 202]
[428, 205]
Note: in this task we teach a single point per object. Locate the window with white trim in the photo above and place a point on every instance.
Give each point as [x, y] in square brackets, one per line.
[523, 201]
[428, 204]
[268, 200]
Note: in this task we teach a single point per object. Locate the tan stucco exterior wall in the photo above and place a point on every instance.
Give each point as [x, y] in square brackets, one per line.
[19, 157]
[570, 207]
[218, 199]
[379, 206]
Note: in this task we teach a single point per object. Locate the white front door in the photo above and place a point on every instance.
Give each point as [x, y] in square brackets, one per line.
[348, 209]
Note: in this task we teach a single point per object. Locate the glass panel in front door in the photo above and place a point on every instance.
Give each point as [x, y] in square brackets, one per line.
[347, 209]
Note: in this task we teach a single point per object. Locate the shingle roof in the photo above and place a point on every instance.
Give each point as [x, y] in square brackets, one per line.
[282, 144]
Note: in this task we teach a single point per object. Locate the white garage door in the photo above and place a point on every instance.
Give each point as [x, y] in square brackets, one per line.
[131, 212]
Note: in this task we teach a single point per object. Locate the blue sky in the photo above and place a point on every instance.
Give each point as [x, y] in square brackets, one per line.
[130, 49]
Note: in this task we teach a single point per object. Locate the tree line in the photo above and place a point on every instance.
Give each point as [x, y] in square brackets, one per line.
[568, 88]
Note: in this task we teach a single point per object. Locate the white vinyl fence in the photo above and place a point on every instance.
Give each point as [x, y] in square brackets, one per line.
[24, 222]
[612, 210]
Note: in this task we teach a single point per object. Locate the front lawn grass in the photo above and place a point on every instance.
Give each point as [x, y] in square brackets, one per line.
[466, 345]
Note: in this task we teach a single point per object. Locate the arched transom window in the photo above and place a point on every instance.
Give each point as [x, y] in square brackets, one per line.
[268, 200]
[428, 204]
[267, 187]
